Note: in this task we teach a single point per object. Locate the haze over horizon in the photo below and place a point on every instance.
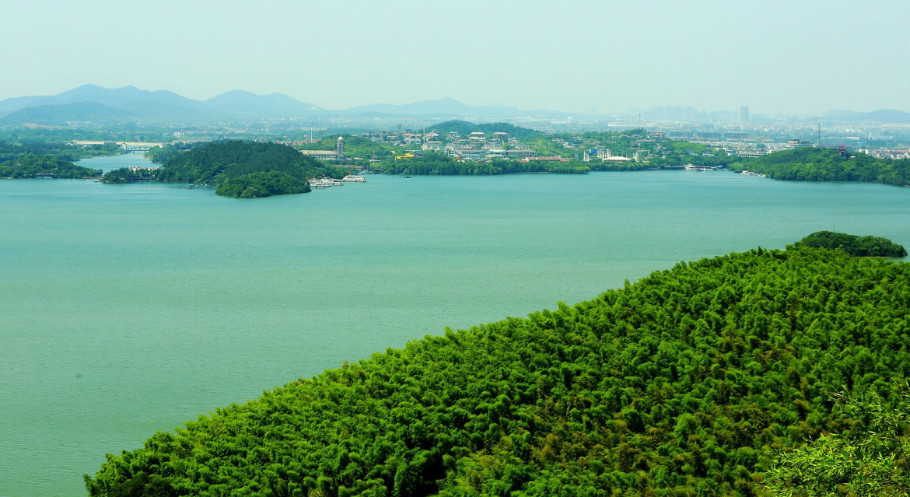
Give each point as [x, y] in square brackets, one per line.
[580, 57]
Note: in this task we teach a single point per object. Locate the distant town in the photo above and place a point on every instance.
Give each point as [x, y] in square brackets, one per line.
[593, 147]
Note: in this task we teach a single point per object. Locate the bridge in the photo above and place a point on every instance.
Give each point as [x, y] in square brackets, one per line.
[139, 146]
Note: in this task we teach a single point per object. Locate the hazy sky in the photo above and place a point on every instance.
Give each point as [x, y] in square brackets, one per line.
[777, 57]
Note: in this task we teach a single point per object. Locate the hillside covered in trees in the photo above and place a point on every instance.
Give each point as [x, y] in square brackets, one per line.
[825, 164]
[48, 160]
[44, 166]
[689, 382]
[241, 169]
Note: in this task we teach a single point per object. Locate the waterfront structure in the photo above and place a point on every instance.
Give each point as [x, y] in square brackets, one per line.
[337, 154]
[320, 154]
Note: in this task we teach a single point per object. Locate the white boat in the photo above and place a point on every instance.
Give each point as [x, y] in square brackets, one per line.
[353, 178]
[320, 183]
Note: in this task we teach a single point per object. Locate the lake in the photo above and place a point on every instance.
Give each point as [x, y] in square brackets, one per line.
[134, 308]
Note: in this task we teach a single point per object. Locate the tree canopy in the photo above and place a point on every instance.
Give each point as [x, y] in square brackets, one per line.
[48, 166]
[871, 460]
[262, 184]
[242, 169]
[825, 164]
[688, 382]
[861, 246]
[41, 159]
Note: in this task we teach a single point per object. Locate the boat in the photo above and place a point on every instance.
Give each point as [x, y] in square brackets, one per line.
[353, 178]
[325, 183]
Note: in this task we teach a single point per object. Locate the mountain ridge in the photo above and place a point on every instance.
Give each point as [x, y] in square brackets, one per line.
[130, 103]
[95, 103]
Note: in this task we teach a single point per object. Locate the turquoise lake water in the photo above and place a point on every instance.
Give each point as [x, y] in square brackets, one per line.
[128, 309]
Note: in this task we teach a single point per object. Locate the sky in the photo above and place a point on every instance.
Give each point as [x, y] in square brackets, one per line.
[794, 57]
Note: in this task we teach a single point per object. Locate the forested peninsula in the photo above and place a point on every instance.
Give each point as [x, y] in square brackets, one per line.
[825, 164]
[46, 160]
[241, 169]
[698, 380]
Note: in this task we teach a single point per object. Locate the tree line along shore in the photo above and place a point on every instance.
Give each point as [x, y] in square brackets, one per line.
[251, 169]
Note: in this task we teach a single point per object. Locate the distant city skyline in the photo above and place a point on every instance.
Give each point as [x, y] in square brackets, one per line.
[772, 57]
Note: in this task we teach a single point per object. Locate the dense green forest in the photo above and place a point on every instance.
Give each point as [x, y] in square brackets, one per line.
[871, 460]
[262, 184]
[241, 169]
[130, 175]
[44, 166]
[160, 155]
[696, 380]
[674, 153]
[42, 159]
[860, 246]
[212, 162]
[825, 164]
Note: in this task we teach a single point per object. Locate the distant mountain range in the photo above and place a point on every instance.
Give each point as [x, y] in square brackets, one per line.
[94, 104]
[91, 103]
[882, 116]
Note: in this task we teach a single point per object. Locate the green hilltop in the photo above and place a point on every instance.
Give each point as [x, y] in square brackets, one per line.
[242, 169]
[689, 382]
[826, 164]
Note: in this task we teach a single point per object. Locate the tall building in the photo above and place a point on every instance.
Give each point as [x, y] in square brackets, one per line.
[339, 148]
[744, 114]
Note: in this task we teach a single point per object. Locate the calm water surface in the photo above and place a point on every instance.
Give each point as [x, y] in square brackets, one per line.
[133, 308]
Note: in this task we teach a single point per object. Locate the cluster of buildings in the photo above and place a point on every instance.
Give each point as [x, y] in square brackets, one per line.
[480, 146]
[333, 155]
[887, 152]
[638, 146]
[477, 146]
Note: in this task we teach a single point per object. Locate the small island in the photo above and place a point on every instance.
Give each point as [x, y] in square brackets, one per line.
[859, 246]
[240, 169]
